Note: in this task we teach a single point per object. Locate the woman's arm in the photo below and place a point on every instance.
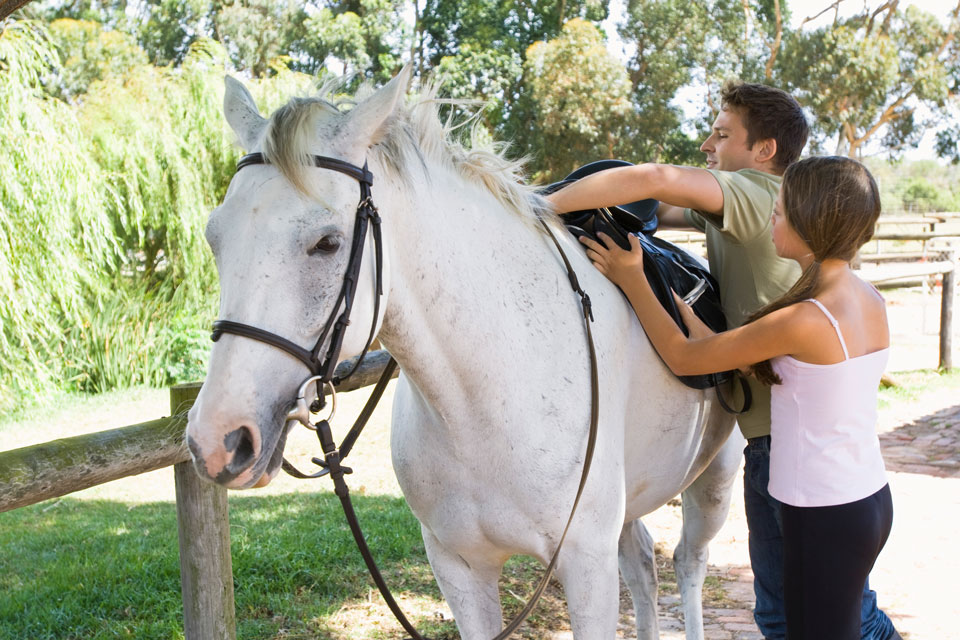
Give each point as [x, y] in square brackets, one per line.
[776, 334]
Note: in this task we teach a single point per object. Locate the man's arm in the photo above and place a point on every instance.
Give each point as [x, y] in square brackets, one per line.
[682, 187]
[671, 217]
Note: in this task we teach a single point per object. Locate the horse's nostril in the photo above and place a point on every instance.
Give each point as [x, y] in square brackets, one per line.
[240, 443]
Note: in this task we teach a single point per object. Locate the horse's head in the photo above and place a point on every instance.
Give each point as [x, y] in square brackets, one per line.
[282, 240]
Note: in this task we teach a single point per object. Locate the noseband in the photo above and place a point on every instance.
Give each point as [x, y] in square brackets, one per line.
[322, 369]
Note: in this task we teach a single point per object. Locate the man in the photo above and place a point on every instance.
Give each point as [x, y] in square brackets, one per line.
[758, 133]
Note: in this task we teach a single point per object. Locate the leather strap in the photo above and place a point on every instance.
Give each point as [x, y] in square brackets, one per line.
[334, 457]
[747, 395]
[336, 325]
[362, 175]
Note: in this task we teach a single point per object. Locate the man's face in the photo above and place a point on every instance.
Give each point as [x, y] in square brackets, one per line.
[726, 148]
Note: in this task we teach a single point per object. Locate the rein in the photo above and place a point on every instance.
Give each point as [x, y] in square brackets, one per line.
[323, 374]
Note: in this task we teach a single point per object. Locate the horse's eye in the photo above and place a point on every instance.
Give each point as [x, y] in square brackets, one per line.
[327, 244]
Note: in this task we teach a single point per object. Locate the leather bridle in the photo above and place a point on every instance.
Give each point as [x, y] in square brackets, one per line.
[367, 217]
[323, 373]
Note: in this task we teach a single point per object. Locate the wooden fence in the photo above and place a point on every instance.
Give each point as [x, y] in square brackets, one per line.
[32, 474]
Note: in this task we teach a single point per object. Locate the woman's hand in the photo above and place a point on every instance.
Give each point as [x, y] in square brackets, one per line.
[695, 326]
[617, 264]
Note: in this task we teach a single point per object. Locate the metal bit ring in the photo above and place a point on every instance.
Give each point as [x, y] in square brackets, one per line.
[301, 409]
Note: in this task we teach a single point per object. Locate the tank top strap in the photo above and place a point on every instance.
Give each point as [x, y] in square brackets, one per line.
[836, 325]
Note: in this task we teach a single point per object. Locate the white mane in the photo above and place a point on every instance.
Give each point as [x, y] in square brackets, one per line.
[415, 136]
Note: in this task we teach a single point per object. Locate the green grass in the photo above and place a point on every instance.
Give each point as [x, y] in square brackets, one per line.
[103, 569]
[99, 569]
[913, 384]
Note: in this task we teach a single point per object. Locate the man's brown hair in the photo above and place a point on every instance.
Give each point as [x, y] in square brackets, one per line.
[769, 113]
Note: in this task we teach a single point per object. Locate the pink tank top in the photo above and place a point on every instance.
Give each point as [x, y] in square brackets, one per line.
[824, 448]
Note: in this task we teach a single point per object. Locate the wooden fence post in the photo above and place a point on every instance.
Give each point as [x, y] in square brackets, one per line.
[946, 314]
[206, 571]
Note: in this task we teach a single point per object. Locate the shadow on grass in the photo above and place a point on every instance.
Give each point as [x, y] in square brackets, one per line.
[72, 569]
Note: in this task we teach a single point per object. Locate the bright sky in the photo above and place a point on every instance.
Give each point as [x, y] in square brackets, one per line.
[691, 99]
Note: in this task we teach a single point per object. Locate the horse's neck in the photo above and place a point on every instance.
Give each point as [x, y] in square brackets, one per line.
[474, 289]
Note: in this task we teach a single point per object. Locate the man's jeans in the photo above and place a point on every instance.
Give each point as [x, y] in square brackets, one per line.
[766, 553]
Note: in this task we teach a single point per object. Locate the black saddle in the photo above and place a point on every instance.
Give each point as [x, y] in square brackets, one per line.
[668, 267]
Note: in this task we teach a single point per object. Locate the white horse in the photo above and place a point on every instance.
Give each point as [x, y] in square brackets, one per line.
[491, 412]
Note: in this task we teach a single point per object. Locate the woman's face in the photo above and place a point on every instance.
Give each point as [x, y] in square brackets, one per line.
[787, 241]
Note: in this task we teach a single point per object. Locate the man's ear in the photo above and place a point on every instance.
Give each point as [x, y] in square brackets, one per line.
[765, 150]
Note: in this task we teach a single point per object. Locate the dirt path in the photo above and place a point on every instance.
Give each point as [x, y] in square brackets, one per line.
[914, 574]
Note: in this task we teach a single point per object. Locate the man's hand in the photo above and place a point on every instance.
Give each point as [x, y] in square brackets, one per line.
[618, 265]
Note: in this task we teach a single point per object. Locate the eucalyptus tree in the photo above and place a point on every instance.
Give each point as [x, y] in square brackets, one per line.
[865, 77]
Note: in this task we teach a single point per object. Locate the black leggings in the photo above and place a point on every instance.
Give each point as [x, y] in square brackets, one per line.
[828, 554]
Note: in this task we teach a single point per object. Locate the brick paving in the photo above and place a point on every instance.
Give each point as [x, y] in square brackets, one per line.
[921, 448]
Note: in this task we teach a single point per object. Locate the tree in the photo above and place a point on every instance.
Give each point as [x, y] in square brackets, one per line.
[88, 52]
[678, 44]
[866, 76]
[256, 32]
[581, 98]
[167, 28]
[454, 35]
[365, 36]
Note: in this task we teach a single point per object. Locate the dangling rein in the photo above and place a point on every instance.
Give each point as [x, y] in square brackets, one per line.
[322, 373]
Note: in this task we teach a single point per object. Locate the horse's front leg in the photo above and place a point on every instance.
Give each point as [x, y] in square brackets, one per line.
[470, 589]
[587, 568]
[706, 503]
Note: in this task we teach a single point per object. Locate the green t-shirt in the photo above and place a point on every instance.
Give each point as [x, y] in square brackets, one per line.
[746, 265]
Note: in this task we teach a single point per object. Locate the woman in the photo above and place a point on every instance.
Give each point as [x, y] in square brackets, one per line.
[823, 346]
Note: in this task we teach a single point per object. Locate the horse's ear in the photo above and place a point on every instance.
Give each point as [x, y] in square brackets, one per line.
[242, 113]
[368, 120]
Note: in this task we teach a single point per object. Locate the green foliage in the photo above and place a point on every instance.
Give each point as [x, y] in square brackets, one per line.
[51, 228]
[160, 138]
[916, 187]
[921, 196]
[89, 53]
[255, 32]
[867, 74]
[366, 36]
[167, 28]
[105, 277]
[581, 99]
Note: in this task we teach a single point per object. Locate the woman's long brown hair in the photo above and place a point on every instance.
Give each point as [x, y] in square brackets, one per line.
[833, 203]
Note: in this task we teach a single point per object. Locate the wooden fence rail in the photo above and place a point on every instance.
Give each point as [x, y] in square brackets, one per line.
[32, 474]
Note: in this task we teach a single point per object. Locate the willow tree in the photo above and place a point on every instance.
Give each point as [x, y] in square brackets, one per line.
[105, 276]
[53, 239]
